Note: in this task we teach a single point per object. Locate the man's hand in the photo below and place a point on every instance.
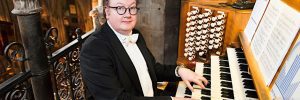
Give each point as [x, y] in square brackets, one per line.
[188, 76]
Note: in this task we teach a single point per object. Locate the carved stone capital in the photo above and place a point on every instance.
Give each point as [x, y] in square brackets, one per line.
[26, 7]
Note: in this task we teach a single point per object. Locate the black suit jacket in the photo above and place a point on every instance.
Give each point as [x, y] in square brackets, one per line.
[108, 72]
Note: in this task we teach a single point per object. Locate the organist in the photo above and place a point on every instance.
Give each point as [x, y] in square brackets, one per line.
[117, 65]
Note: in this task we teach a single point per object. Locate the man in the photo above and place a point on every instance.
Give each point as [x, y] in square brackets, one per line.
[117, 65]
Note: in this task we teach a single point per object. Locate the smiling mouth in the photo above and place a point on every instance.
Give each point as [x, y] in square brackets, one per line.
[126, 21]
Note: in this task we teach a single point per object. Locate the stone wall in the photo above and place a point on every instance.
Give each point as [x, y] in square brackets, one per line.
[158, 21]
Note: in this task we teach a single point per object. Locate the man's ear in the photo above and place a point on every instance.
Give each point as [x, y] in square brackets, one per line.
[107, 13]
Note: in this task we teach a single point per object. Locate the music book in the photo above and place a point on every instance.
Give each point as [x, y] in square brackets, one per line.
[274, 36]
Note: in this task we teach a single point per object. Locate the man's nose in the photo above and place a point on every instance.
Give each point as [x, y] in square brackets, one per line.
[127, 13]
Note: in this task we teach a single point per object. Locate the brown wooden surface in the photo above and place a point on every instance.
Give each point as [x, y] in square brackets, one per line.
[5, 9]
[236, 22]
[183, 16]
[6, 34]
[293, 3]
[263, 91]
[6, 6]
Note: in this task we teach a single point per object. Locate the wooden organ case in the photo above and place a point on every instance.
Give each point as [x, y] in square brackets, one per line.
[206, 32]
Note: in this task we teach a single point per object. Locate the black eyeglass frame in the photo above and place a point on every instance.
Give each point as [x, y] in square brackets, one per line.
[129, 9]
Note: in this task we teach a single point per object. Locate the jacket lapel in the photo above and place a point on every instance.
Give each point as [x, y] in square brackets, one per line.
[123, 57]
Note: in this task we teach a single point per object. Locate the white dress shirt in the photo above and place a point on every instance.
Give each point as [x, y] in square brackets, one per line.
[139, 63]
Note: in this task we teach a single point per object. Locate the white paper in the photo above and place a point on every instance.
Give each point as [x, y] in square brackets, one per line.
[275, 93]
[256, 15]
[274, 37]
[287, 86]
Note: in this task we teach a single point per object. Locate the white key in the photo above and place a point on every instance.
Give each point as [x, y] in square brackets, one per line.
[215, 78]
[180, 89]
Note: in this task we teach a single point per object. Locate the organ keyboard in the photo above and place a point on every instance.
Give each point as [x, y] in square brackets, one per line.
[228, 78]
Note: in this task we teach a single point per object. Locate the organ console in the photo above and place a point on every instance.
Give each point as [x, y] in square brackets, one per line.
[211, 44]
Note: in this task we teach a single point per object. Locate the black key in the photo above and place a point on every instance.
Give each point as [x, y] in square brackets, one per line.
[227, 93]
[248, 84]
[240, 55]
[239, 50]
[187, 96]
[206, 65]
[223, 58]
[252, 94]
[242, 61]
[226, 84]
[243, 65]
[227, 96]
[225, 70]
[224, 63]
[225, 76]
[245, 75]
[188, 91]
[206, 70]
[207, 77]
[205, 92]
[244, 68]
[205, 98]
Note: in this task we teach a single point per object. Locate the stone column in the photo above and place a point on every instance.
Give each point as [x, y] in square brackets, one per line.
[28, 15]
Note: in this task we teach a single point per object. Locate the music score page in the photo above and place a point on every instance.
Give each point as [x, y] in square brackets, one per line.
[256, 15]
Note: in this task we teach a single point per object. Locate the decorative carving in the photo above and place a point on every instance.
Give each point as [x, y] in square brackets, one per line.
[26, 7]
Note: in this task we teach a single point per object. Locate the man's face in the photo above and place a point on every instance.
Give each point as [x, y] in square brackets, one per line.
[121, 23]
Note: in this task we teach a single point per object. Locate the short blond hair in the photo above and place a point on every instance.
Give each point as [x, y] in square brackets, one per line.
[106, 2]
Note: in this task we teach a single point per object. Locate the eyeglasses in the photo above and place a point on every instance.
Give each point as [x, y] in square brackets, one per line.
[121, 10]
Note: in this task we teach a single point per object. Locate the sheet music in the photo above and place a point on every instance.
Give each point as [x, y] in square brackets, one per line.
[274, 36]
[287, 85]
[264, 30]
[256, 15]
